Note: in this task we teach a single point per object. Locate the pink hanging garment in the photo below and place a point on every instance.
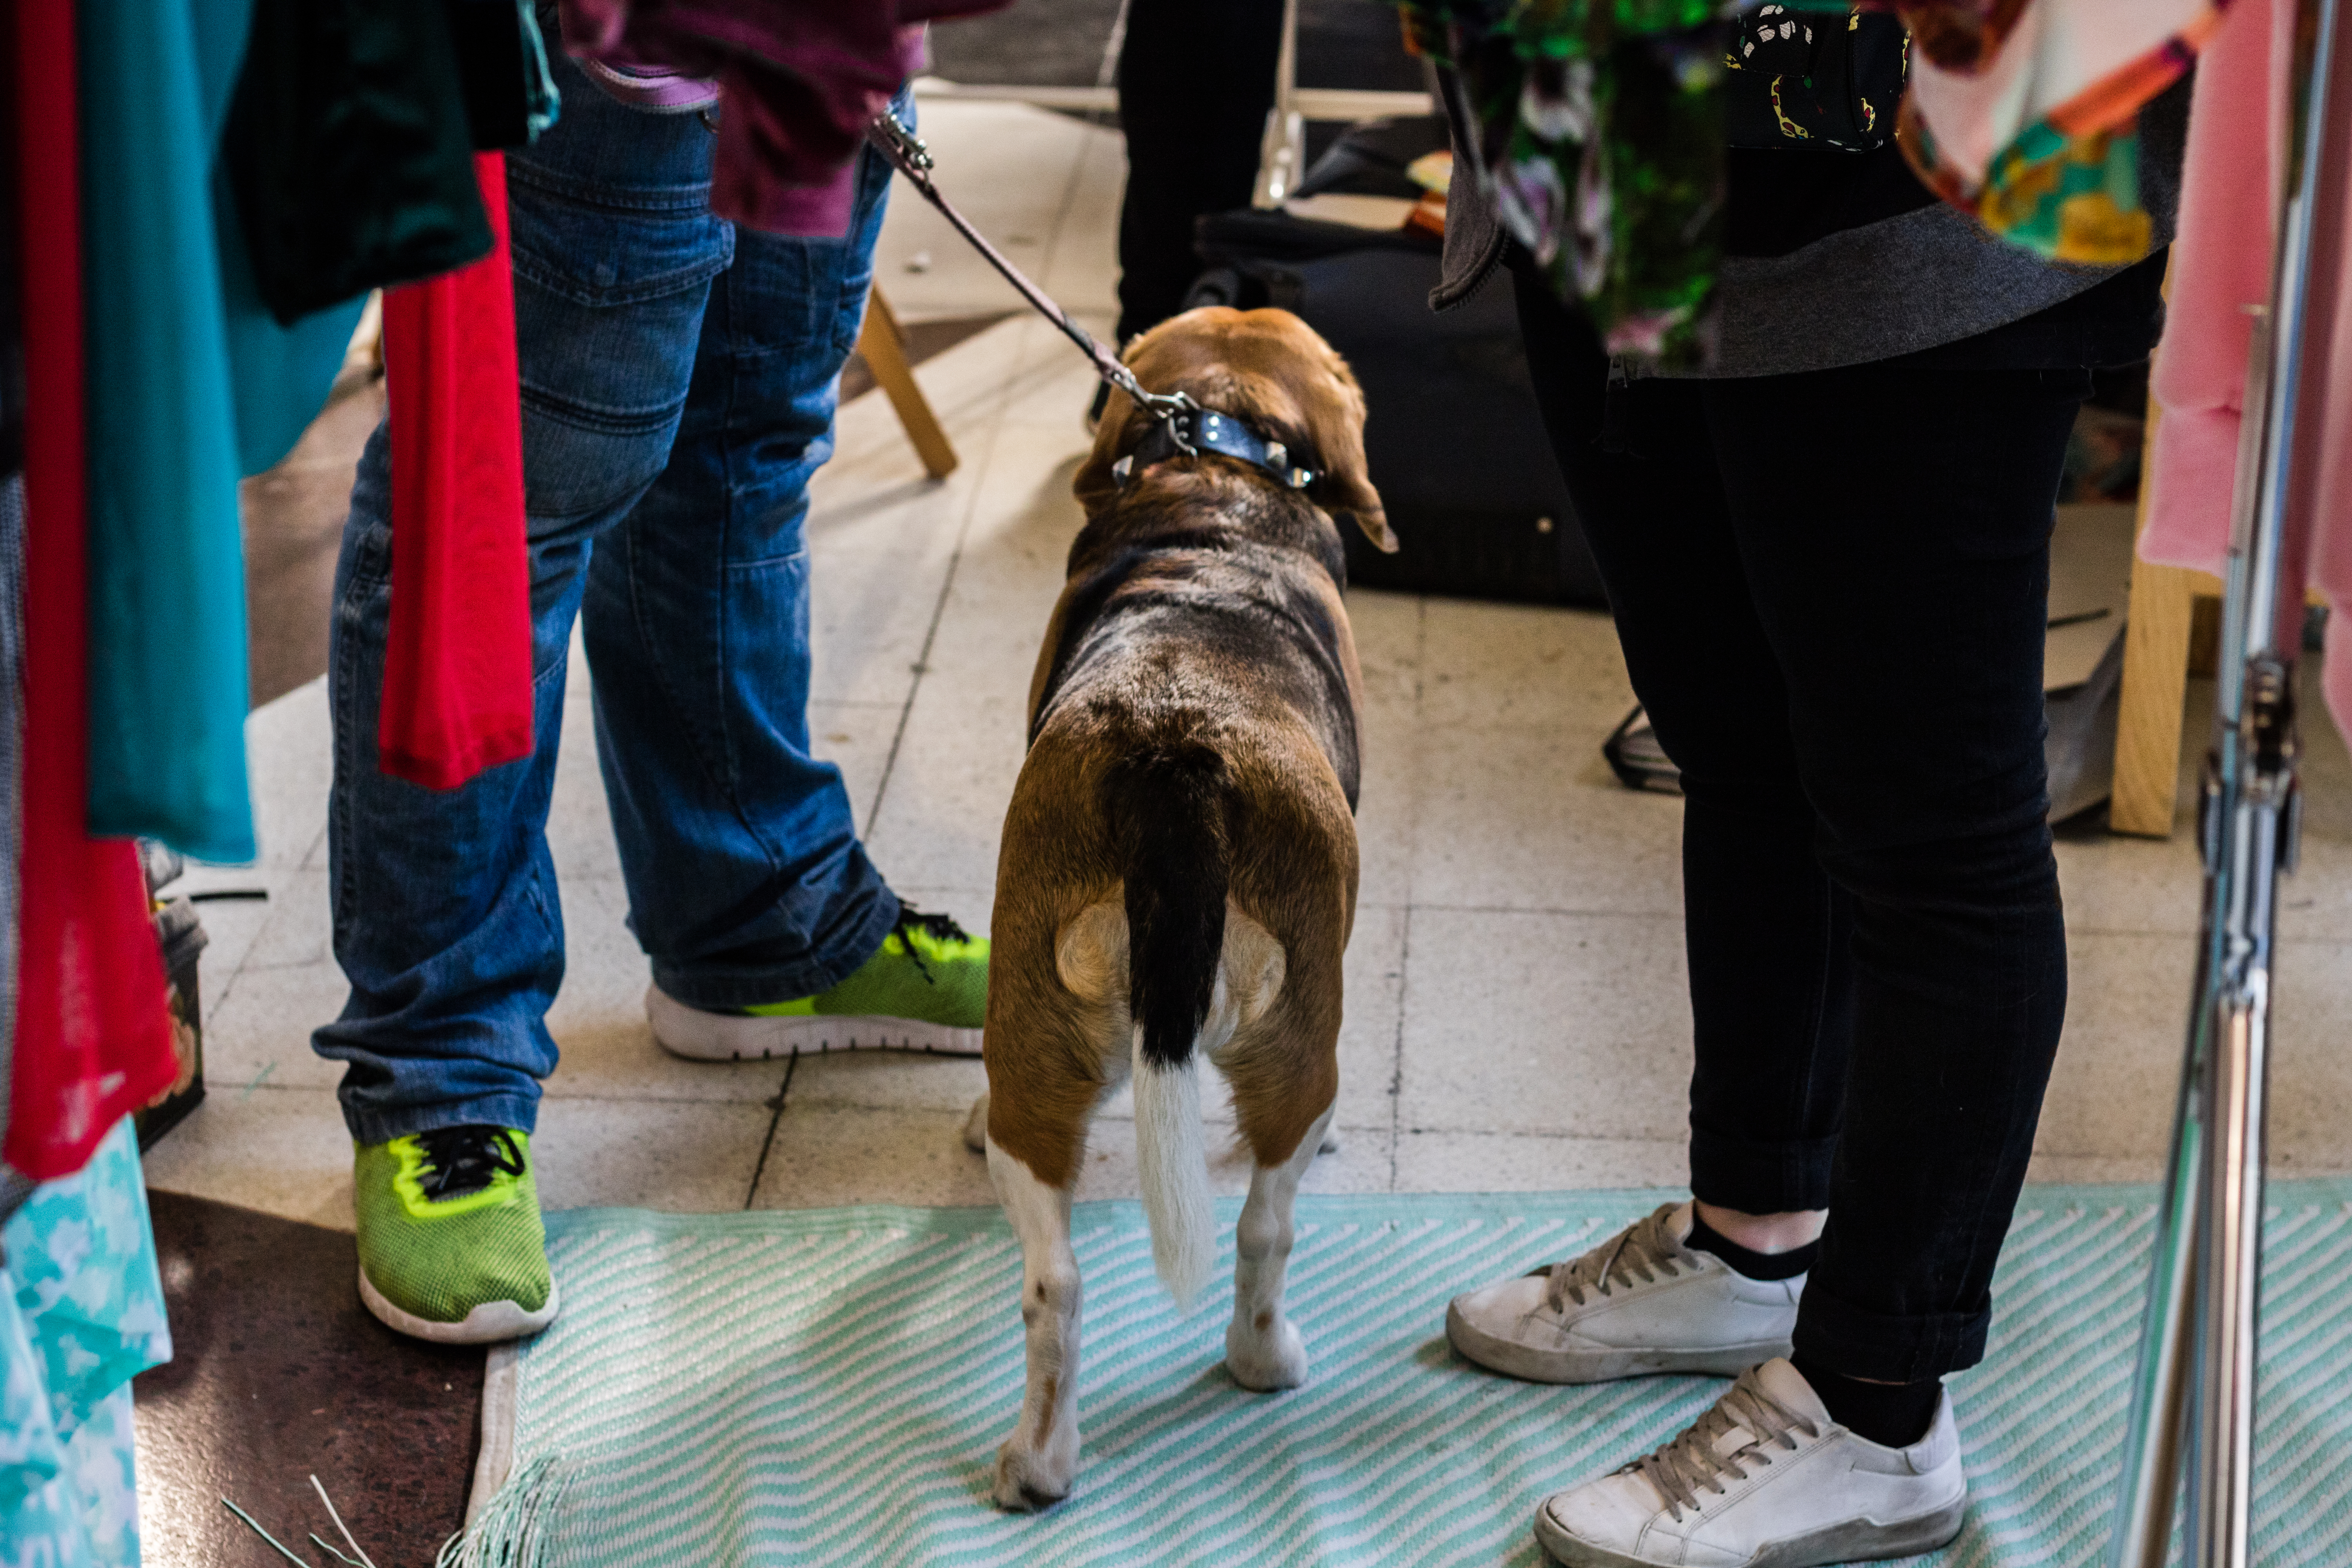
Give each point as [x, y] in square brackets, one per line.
[456, 678]
[2221, 269]
[93, 1040]
[2221, 273]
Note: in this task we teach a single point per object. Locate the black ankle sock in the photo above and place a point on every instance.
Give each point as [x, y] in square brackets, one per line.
[1892, 1414]
[1753, 1265]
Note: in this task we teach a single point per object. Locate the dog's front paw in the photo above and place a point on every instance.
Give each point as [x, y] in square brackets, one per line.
[1266, 1361]
[1031, 1482]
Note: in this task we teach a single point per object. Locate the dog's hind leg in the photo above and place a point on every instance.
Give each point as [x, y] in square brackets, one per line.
[1263, 1349]
[1038, 1464]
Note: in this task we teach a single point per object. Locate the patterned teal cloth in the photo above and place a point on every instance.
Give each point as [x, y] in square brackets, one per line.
[81, 1312]
[829, 1388]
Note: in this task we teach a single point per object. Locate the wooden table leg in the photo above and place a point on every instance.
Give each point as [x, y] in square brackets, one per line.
[885, 352]
[2155, 681]
[2156, 678]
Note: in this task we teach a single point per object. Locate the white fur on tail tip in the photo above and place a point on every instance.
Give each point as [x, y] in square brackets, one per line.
[1173, 1156]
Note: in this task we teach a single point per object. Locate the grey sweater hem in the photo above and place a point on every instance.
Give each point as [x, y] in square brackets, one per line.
[1918, 281]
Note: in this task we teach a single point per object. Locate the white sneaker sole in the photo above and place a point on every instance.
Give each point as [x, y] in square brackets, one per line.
[492, 1322]
[698, 1036]
[1604, 1365]
[1849, 1541]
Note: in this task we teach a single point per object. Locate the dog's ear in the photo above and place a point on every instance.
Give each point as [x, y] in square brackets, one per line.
[1337, 417]
[1094, 485]
[1156, 357]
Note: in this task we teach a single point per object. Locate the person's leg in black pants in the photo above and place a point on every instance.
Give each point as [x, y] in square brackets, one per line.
[1766, 927]
[1195, 81]
[1831, 592]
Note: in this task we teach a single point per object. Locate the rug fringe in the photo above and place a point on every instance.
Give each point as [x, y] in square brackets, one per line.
[512, 1529]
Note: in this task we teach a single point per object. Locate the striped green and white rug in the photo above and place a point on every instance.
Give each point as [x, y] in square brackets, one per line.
[829, 1388]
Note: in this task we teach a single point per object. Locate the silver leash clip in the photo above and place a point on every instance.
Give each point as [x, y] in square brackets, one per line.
[1174, 409]
[907, 147]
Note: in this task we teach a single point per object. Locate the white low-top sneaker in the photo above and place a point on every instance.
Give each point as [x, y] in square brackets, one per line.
[1765, 1479]
[1640, 1302]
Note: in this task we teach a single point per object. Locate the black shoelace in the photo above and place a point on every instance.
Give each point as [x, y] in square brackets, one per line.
[461, 1160]
[939, 928]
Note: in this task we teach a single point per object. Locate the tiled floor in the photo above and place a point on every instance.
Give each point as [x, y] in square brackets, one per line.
[1516, 1011]
[1516, 1008]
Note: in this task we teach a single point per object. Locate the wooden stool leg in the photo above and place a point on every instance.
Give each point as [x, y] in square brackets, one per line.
[2155, 677]
[885, 353]
[2155, 680]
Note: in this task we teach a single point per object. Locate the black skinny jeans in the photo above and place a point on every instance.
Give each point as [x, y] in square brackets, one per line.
[1831, 589]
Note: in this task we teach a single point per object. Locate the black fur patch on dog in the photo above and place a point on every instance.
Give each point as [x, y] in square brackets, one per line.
[1166, 808]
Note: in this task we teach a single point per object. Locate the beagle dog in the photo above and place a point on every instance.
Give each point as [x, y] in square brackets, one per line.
[1178, 873]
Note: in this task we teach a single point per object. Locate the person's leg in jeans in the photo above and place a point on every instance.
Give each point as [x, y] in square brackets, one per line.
[446, 920]
[1877, 954]
[768, 927]
[447, 924]
[747, 883]
[1764, 925]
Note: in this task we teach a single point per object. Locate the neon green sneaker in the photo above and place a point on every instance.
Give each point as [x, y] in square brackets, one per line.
[451, 1248]
[926, 989]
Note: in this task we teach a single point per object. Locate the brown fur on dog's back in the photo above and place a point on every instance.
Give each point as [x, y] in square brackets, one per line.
[1178, 876]
[1293, 872]
[1202, 610]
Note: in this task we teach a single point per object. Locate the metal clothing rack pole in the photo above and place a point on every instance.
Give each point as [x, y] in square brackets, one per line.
[1282, 151]
[2193, 1403]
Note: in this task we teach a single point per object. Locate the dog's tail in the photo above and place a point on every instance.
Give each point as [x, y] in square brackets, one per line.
[1168, 809]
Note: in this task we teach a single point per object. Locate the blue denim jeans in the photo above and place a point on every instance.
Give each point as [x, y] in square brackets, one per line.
[678, 381]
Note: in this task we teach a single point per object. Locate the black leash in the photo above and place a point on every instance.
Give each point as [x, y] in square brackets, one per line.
[1185, 428]
[906, 149]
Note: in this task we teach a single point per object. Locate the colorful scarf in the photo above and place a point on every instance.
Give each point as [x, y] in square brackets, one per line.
[2024, 114]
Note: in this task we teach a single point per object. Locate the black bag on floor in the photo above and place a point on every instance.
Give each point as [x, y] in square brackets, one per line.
[1456, 446]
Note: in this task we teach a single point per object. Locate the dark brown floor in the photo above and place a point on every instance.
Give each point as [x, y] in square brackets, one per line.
[277, 1373]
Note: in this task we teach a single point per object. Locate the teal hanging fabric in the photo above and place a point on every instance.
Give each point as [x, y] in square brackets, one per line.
[278, 375]
[167, 650]
[192, 383]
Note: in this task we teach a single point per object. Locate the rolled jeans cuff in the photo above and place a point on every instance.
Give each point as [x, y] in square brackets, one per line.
[1882, 1349]
[1760, 1178]
[370, 1128]
[742, 983]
